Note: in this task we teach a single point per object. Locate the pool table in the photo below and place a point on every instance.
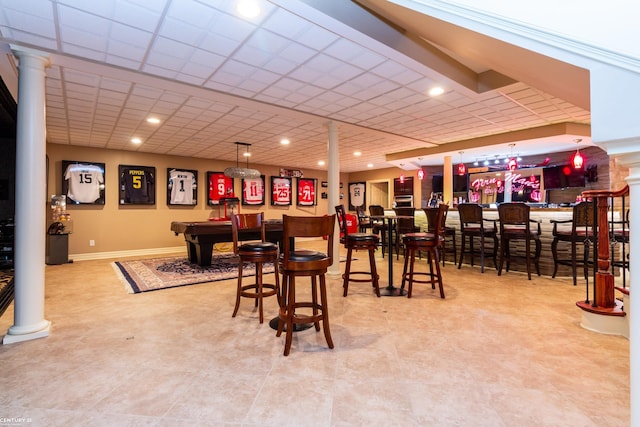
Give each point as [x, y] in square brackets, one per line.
[200, 236]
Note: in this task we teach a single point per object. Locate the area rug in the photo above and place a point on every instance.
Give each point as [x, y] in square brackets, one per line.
[161, 273]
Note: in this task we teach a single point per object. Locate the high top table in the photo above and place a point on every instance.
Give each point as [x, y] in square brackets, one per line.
[390, 220]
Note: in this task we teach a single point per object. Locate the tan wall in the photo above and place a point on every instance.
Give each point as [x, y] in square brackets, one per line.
[115, 227]
[388, 174]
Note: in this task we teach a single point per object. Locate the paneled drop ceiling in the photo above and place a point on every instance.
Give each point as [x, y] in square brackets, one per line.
[213, 77]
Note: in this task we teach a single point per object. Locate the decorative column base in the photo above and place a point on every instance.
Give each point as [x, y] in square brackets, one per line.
[15, 335]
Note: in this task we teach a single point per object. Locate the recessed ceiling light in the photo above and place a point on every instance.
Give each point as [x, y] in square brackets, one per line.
[153, 120]
[284, 141]
[136, 140]
[321, 163]
[435, 91]
[357, 153]
[248, 8]
[369, 165]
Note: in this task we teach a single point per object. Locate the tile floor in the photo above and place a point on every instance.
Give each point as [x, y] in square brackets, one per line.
[498, 351]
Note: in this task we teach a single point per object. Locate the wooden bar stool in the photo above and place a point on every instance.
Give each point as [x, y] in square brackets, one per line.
[449, 233]
[431, 243]
[515, 224]
[354, 242]
[257, 252]
[299, 262]
[580, 232]
[472, 225]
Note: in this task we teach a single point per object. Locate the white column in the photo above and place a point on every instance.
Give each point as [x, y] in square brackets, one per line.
[508, 186]
[333, 179]
[30, 215]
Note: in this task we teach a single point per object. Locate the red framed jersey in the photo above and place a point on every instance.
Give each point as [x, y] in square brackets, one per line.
[220, 187]
[253, 191]
[306, 192]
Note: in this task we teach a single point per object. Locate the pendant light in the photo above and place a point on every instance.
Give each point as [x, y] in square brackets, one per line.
[238, 172]
[462, 169]
[577, 160]
[512, 164]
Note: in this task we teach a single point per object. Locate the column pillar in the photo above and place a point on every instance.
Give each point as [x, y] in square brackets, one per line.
[333, 179]
[447, 181]
[30, 215]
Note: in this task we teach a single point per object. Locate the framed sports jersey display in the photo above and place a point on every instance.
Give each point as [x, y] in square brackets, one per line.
[280, 190]
[83, 182]
[357, 195]
[182, 187]
[306, 192]
[253, 191]
[137, 185]
[220, 187]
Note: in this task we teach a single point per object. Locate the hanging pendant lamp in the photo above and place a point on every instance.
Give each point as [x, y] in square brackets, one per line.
[462, 169]
[238, 172]
[577, 160]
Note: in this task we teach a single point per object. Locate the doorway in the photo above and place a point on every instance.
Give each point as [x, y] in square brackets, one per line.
[378, 193]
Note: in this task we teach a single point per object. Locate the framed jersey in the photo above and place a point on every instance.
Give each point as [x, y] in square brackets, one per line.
[281, 190]
[137, 185]
[83, 182]
[220, 187]
[182, 187]
[253, 191]
[306, 192]
[357, 195]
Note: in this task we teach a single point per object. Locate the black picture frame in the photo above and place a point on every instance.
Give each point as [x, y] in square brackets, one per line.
[182, 187]
[83, 183]
[281, 190]
[253, 191]
[137, 185]
[306, 189]
[219, 186]
[357, 193]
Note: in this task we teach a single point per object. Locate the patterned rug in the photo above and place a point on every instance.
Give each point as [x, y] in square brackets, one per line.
[160, 273]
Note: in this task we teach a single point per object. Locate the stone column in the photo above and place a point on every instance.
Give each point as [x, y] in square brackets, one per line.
[31, 197]
[447, 181]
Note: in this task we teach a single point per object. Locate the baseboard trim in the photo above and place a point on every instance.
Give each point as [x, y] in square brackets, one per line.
[130, 253]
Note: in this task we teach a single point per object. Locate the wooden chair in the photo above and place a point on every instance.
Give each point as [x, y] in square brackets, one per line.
[364, 222]
[472, 225]
[257, 252]
[299, 262]
[449, 233]
[431, 244]
[358, 241]
[581, 223]
[515, 224]
[404, 225]
[377, 225]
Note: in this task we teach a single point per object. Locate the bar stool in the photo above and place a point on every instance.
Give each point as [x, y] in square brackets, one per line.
[449, 233]
[257, 252]
[581, 231]
[404, 225]
[358, 241]
[299, 262]
[515, 224]
[472, 225]
[431, 244]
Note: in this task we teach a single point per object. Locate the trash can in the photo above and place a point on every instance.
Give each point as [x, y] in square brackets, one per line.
[57, 250]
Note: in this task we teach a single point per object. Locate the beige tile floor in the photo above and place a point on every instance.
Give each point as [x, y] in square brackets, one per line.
[498, 351]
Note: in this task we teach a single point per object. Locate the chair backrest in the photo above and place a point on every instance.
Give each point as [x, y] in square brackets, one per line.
[470, 213]
[362, 214]
[405, 225]
[376, 210]
[253, 222]
[514, 214]
[583, 215]
[432, 218]
[307, 226]
[342, 223]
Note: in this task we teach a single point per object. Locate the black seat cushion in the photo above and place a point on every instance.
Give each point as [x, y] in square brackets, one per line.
[258, 247]
[363, 237]
[304, 255]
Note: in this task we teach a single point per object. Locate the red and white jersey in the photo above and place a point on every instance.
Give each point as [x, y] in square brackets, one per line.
[220, 187]
[306, 192]
[253, 191]
[281, 191]
[84, 182]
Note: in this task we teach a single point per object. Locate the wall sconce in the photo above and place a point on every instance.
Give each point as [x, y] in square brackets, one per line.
[577, 160]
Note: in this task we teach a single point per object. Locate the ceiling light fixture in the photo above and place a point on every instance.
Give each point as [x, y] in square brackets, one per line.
[248, 8]
[285, 141]
[136, 140]
[153, 120]
[513, 162]
[436, 91]
[577, 160]
[238, 172]
[357, 153]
